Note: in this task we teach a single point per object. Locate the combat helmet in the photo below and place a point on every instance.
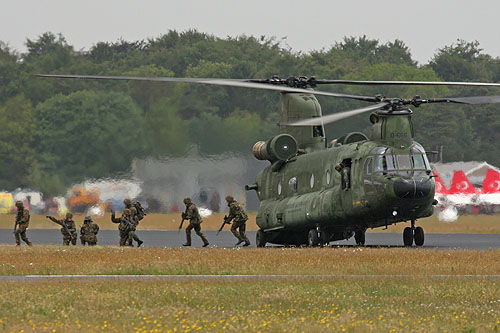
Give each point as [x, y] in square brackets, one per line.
[88, 218]
[127, 202]
[187, 200]
[19, 204]
[229, 198]
[69, 215]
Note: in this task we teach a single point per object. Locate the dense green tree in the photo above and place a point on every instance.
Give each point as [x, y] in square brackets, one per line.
[17, 136]
[89, 134]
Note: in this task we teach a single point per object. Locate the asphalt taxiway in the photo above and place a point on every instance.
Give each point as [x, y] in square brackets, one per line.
[162, 238]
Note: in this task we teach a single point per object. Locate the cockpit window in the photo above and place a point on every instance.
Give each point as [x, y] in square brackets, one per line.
[389, 162]
[404, 162]
[418, 161]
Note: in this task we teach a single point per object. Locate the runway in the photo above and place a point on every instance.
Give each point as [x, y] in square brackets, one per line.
[162, 238]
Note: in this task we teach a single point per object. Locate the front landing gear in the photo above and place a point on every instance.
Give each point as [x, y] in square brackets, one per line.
[411, 234]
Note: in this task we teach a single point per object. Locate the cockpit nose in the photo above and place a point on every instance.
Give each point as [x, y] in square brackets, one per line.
[410, 188]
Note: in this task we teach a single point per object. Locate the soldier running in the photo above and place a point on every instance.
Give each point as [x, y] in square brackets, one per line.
[88, 232]
[22, 223]
[195, 221]
[239, 217]
[134, 218]
[68, 229]
[125, 227]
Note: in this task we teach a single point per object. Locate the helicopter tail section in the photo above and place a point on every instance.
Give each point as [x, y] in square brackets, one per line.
[299, 106]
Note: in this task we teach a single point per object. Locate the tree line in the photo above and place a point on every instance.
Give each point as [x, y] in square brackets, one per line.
[57, 132]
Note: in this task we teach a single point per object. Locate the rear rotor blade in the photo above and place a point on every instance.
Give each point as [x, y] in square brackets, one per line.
[407, 83]
[337, 116]
[218, 82]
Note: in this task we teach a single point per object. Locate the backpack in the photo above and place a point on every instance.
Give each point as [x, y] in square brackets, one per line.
[140, 210]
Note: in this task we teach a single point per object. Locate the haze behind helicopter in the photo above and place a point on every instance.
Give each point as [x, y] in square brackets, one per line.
[424, 26]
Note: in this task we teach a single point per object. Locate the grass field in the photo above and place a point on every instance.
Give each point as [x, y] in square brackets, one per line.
[382, 305]
[412, 299]
[466, 224]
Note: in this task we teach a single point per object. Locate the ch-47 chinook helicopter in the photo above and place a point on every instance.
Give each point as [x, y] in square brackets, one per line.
[313, 193]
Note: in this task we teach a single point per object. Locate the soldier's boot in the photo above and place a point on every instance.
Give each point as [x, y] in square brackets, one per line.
[139, 243]
[237, 235]
[188, 239]
[66, 242]
[204, 239]
[245, 238]
[73, 240]
[26, 240]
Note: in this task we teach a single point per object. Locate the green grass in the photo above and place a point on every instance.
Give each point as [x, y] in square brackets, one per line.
[353, 305]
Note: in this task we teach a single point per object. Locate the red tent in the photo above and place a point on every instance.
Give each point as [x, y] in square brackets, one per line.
[491, 183]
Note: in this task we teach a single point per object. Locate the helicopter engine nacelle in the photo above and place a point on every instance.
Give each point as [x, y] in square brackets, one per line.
[278, 148]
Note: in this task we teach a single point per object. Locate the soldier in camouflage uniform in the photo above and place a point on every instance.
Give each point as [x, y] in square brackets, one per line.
[195, 221]
[22, 222]
[134, 218]
[88, 232]
[125, 226]
[68, 229]
[239, 217]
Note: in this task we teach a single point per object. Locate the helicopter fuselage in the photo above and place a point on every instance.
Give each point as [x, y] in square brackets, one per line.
[343, 189]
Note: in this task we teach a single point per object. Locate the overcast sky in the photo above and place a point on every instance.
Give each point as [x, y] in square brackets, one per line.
[423, 25]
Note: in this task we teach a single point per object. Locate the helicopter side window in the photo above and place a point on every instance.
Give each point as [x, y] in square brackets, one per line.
[404, 162]
[317, 131]
[293, 184]
[328, 176]
[368, 166]
[379, 163]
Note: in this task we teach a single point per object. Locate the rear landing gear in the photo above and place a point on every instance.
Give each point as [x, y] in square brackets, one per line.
[313, 238]
[260, 239]
[411, 234]
[360, 237]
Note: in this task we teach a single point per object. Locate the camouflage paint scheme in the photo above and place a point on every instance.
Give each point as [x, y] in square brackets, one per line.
[306, 192]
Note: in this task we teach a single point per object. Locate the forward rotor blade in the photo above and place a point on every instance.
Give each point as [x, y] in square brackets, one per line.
[337, 116]
[408, 83]
[474, 100]
[218, 82]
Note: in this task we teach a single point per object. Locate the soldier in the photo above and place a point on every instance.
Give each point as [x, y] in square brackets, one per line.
[239, 217]
[134, 218]
[22, 223]
[195, 221]
[125, 226]
[68, 229]
[88, 232]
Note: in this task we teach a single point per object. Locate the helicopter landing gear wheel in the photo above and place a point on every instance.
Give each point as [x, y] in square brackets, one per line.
[419, 236]
[325, 238]
[408, 236]
[313, 238]
[360, 237]
[260, 239]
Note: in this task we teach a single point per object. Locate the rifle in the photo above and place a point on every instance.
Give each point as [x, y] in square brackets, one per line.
[18, 218]
[130, 225]
[226, 221]
[180, 226]
[63, 224]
